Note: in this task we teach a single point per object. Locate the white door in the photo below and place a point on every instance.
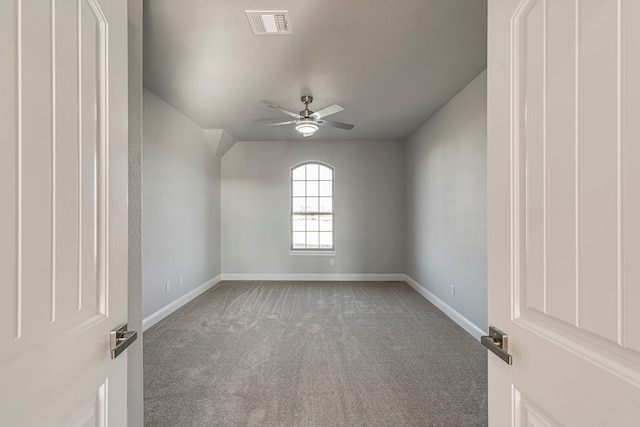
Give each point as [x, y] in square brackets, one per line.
[564, 211]
[63, 211]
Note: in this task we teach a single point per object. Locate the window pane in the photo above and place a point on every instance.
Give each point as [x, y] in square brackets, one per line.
[298, 223]
[312, 172]
[297, 188]
[326, 173]
[326, 240]
[298, 173]
[326, 204]
[312, 240]
[298, 205]
[326, 222]
[298, 240]
[312, 223]
[312, 188]
[312, 204]
[311, 193]
[326, 188]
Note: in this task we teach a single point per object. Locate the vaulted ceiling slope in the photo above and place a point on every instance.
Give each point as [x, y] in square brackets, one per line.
[390, 64]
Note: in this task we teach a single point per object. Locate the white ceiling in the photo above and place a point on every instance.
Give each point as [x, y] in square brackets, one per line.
[390, 64]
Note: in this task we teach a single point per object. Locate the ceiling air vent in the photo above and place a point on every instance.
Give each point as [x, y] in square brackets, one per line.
[269, 22]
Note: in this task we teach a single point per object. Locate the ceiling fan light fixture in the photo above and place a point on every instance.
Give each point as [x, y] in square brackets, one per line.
[306, 126]
[307, 122]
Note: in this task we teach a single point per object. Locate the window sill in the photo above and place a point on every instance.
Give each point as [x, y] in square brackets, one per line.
[315, 253]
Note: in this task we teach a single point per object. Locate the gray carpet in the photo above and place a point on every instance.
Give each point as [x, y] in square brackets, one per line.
[312, 354]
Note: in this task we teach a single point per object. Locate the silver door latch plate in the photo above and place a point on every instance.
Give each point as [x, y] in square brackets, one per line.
[497, 341]
[121, 339]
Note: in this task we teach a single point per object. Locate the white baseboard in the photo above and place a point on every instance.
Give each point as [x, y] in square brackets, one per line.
[317, 277]
[154, 318]
[454, 315]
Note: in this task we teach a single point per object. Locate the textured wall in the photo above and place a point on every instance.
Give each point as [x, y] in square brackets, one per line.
[446, 193]
[181, 205]
[368, 200]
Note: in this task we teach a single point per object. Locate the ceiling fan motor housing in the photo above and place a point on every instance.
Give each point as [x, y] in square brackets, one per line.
[306, 100]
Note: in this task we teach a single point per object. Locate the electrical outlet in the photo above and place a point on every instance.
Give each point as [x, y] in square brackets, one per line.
[167, 286]
[332, 262]
[453, 290]
[180, 281]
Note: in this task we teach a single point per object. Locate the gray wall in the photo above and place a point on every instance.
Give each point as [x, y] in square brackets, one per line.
[135, 411]
[446, 192]
[369, 207]
[181, 205]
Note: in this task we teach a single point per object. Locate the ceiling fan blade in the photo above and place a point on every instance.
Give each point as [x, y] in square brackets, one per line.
[280, 123]
[332, 109]
[333, 124]
[282, 110]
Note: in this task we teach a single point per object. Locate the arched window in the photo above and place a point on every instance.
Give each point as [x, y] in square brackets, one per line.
[312, 221]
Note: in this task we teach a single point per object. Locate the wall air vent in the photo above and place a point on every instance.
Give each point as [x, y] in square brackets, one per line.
[269, 22]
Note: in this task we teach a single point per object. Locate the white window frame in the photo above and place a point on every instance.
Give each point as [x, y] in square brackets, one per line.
[312, 251]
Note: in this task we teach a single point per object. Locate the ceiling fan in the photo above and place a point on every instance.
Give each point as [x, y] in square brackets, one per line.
[307, 122]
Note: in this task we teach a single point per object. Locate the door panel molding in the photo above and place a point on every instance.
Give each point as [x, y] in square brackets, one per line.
[531, 414]
[586, 346]
[51, 308]
[595, 235]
